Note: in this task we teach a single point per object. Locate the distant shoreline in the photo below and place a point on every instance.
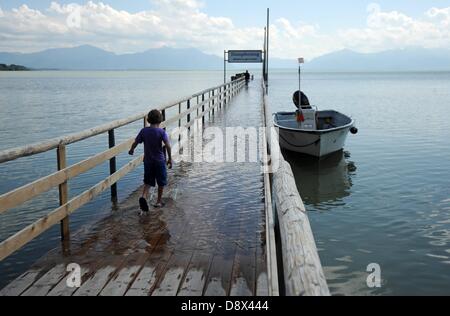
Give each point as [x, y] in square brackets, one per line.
[22, 68]
[12, 67]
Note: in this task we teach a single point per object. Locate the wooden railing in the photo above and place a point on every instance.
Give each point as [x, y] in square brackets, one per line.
[302, 269]
[198, 105]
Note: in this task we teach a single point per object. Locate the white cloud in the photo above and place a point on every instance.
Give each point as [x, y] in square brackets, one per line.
[390, 30]
[183, 23]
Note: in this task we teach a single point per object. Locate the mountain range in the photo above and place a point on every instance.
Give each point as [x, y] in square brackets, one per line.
[92, 58]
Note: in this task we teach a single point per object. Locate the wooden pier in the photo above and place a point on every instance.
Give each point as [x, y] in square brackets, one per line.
[217, 248]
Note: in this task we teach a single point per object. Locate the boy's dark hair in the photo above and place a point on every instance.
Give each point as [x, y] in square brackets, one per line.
[155, 117]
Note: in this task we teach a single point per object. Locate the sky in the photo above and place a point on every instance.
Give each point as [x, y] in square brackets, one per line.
[297, 28]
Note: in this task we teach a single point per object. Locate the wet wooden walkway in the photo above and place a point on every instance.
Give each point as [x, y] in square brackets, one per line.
[208, 240]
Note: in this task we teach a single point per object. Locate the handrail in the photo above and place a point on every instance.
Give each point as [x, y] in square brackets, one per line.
[302, 269]
[44, 146]
[60, 178]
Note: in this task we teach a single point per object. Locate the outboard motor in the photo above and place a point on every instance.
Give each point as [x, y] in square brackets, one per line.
[306, 115]
[304, 100]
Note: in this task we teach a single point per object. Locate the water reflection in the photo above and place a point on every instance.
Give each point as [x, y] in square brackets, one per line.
[322, 181]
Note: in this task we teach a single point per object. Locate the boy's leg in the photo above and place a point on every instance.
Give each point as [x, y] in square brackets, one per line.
[146, 191]
[161, 179]
[160, 194]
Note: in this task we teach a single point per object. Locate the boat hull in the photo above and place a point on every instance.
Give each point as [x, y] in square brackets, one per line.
[314, 144]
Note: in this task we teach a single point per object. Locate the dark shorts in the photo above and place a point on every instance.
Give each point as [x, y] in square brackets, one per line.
[155, 173]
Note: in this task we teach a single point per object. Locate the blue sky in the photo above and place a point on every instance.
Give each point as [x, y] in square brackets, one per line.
[320, 26]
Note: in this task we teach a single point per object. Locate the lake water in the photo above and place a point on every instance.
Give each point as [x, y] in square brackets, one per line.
[385, 200]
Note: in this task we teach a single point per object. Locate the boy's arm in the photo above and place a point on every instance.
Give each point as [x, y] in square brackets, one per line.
[133, 147]
[169, 153]
[139, 140]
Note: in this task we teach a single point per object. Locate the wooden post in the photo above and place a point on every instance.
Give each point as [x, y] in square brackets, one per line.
[112, 164]
[198, 101]
[267, 46]
[209, 104]
[213, 101]
[189, 115]
[203, 108]
[63, 192]
[163, 112]
[179, 125]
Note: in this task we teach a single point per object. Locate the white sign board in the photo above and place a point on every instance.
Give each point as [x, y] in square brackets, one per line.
[245, 56]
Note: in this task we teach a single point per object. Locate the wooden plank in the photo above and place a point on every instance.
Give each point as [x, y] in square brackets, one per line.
[27, 192]
[21, 238]
[195, 280]
[170, 284]
[262, 285]
[21, 284]
[156, 266]
[241, 288]
[45, 284]
[244, 266]
[94, 285]
[215, 287]
[61, 289]
[193, 283]
[271, 251]
[173, 273]
[144, 282]
[219, 277]
[125, 276]
[120, 283]
[29, 150]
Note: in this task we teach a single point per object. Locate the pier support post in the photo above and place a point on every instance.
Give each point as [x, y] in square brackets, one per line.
[179, 129]
[198, 102]
[112, 164]
[209, 104]
[189, 115]
[63, 192]
[203, 109]
[213, 100]
[163, 112]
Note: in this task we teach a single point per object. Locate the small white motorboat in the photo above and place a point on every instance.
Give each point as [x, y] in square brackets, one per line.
[309, 131]
[319, 134]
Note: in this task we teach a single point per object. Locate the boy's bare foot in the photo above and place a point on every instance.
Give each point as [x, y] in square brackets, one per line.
[143, 205]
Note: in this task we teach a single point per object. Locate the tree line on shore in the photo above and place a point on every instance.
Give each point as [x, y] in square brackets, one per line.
[5, 67]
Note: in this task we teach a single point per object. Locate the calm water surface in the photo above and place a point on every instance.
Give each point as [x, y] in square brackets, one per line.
[385, 200]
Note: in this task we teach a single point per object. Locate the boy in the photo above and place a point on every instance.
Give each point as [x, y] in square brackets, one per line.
[153, 138]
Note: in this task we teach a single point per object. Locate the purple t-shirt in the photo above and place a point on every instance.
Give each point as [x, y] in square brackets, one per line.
[153, 139]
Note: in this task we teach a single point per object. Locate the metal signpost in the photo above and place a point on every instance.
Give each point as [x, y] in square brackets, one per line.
[241, 57]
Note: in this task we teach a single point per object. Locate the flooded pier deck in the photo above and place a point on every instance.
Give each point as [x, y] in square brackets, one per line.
[208, 240]
[233, 228]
